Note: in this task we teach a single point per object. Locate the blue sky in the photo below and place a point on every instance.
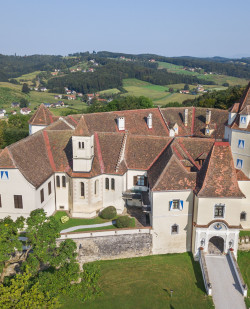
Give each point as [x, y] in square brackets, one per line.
[169, 28]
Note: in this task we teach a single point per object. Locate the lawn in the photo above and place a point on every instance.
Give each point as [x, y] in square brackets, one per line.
[145, 282]
[109, 91]
[244, 264]
[80, 221]
[245, 233]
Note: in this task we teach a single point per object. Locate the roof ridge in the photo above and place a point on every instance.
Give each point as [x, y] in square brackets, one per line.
[161, 152]
[164, 120]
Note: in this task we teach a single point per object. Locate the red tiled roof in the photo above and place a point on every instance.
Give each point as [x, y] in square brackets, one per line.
[42, 116]
[6, 160]
[81, 128]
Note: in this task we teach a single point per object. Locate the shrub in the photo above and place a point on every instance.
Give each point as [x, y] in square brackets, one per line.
[124, 221]
[64, 219]
[108, 213]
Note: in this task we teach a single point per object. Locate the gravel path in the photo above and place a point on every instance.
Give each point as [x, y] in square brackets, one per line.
[90, 226]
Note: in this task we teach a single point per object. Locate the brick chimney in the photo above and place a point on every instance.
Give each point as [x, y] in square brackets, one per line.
[150, 121]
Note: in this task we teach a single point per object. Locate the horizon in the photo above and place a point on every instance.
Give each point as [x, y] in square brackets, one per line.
[162, 28]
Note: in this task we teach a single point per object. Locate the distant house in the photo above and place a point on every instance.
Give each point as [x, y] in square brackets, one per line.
[54, 73]
[184, 91]
[59, 96]
[68, 91]
[91, 70]
[13, 112]
[71, 97]
[2, 113]
[79, 94]
[25, 111]
[35, 88]
[43, 89]
[15, 104]
[47, 104]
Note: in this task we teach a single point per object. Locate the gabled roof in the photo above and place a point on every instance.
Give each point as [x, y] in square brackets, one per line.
[217, 177]
[81, 129]
[42, 116]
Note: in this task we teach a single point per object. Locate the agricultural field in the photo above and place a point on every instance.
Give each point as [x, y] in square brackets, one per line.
[27, 78]
[109, 91]
[158, 94]
[145, 282]
[218, 79]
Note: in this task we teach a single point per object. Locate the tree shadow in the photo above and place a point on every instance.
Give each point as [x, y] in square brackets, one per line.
[198, 275]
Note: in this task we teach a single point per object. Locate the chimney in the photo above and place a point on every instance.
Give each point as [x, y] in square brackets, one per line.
[150, 121]
[121, 123]
[186, 117]
[208, 116]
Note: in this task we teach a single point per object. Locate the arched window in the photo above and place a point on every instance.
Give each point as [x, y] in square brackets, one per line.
[243, 216]
[96, 187]
[175, 229]
[82, 189]
[58, 181]
[112, 184]
[107, 183]
[64, 181]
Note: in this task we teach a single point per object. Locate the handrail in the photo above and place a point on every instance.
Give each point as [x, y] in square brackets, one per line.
[204, 271]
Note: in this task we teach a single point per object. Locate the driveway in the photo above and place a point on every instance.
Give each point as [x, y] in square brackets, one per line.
[225, 286]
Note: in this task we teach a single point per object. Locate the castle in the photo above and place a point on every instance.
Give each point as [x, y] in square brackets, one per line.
[187, 168]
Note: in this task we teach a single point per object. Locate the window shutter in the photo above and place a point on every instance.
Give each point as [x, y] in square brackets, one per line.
[145, 181]
[170, 205]
[135, 180]
[181, 204]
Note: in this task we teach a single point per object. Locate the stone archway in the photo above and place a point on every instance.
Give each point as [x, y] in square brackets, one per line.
[216, 245]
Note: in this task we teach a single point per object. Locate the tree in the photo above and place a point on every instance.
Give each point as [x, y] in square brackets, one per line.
[25, 88]
[186, 87]
[23, 102]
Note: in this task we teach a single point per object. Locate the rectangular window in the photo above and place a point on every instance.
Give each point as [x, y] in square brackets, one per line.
[112, 184]
[64, 181]
[107, 183]
[239, 163]
[49, 188]
[140, 180]
[18, 201]
[219, 211]
[243, 216]
[82, 189]
[58, 181]
[174, 229]
[176, 204]
[241, 143]
[81, 145]
[42, 195]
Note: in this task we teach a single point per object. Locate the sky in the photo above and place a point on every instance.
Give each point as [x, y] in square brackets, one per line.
[164, 27]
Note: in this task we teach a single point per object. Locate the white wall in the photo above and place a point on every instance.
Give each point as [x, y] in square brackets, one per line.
[130, 180]
[49, 200]
[33, 129]
[62, 193]
[163, 218]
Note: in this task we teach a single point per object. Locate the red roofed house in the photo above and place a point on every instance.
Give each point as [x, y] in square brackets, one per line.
[170, 163]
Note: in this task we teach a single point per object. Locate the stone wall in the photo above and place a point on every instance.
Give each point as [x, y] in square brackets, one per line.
[123, 244]
[244, 243]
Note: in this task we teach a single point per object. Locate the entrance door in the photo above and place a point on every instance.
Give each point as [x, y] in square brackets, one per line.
[216, 245]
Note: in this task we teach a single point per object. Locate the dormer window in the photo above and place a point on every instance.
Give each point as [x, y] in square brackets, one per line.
[239, 163]
[243, 119]
[81, 145]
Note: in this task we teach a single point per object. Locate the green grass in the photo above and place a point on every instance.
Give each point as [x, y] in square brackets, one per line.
[28, 77]
[244, 233]
[145, 282]
[244, 264]
[218, 79]
[109, 91]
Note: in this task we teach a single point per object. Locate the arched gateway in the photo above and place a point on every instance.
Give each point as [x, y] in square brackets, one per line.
[216, 245]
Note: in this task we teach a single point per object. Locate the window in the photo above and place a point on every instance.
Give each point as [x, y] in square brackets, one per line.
[140, 180]
[0, 201]
[82, 189]
[243, 216]
[176, 204]
[243, 119]
[49, 188]
[18, 201]
[64, 181]
[219, 211]
[58, 181]
[241, 143]
[174, 229]
[107, 183]
[81, 145]
[42, 195]
[112, 184]
[96, 187]
[239, 163]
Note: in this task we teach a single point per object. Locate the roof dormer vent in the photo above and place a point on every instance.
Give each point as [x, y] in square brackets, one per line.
[121, 123]
[150, 121]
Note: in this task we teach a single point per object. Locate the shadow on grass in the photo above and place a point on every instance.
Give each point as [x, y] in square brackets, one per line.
[197, 272]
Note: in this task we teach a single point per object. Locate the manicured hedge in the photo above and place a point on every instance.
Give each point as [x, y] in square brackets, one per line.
[108, 213]
[124, 221]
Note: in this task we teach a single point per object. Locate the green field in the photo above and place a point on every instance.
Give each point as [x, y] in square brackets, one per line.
[158, 94]
[244, 264]
[218, 79]
[28, 77]
[145, 282]
[13, 93]
[109, 91]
